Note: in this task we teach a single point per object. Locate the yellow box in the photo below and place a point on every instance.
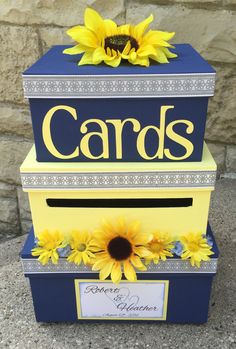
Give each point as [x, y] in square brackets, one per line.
[171, 197]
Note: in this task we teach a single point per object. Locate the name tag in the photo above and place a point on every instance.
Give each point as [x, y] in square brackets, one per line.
[144, 300]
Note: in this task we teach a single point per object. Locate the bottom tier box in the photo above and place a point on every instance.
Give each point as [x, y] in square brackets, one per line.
[172, 291]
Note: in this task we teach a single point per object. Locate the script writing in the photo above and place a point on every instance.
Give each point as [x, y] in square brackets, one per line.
[126, 300]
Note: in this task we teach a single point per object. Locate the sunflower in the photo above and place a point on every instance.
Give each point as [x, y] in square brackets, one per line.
[195, 248]
[82, 248]
[160, 247]
[121, 247]
[101, 40]
[48, 244]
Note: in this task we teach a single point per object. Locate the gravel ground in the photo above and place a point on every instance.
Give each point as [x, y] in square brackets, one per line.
[18, 328]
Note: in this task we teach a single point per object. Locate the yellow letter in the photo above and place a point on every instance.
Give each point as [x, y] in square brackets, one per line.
[84, 144]
[161, 136]
[179, 139]
[118, 125]
[46, 132]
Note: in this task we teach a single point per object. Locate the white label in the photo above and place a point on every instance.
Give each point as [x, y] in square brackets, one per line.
[139, 300]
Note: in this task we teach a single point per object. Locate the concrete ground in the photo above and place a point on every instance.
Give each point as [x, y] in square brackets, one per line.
[18, 328]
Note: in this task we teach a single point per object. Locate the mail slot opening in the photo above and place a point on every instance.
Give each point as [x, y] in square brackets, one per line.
[121, 203]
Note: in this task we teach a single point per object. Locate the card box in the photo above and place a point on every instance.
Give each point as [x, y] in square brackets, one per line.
[125, 114]
[171, 197]
[179, 292]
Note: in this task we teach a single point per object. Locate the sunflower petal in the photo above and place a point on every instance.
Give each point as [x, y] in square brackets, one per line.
[100, 263]
[114, 62]
[159, 57]
[54, 257]
[144, 61]
[73, 32]
[44, 258]
[99, 55]
[123, 29]
[85, 37]
[168, 53]
[146, 50]
[110, 27]
[75, 50]
[140, 28]
[166, 36]
[106, 270]
[129, 271]
[136, 261]
[86, 59]
[142, 251]
[78, 258]
[116, 273]
[85, 258]
[126, 50]
[94, 22]
[157, 38]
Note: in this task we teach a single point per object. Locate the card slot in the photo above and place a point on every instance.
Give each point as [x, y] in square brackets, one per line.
[120, 203]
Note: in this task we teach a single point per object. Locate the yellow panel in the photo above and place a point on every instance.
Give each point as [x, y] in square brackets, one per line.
[175, 220]
[31, 165]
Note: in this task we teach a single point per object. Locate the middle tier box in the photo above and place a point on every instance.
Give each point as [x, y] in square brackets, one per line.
[170, 197]
[126, 114]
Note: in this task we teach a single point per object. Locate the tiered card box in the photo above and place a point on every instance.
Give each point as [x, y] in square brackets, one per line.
[124, 142]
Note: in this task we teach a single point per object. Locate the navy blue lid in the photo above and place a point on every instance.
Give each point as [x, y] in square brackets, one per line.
[54, 62]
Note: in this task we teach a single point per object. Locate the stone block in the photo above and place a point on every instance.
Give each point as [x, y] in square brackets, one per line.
[13, 152]
[221, 120]
[218, 152]
[24, 207]
[25, 226]
[7, 190]
[8, 231]
[53, 36]
[231, 159]
[15, 120]
[9, 219]
[8, 211]
[229, 2]
[58, 12]
[19, 49]
[194, 2]
[212, 33]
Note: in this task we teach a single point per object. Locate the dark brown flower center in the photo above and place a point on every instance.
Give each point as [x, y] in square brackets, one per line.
[118, 42]
[119, 248]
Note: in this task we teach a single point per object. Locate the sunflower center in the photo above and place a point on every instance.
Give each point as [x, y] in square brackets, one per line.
[156, 247]
[118, 42]
[81, 247]
[119, 248]
[193, 246]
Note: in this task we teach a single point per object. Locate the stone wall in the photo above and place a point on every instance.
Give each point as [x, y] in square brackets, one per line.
[29, 27]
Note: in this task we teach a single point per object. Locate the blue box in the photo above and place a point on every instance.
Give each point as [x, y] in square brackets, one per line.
[128, 113]
[60, 292]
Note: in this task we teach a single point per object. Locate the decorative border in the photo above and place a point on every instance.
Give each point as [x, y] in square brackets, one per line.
[79, 301]
[99, 180]
[173, 265]
[116, 86]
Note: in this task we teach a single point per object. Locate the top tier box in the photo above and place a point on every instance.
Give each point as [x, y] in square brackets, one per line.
[127, 114]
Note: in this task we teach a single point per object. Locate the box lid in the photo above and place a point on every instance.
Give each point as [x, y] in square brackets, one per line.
[172, 265]
[142, 175]
[57, 75]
